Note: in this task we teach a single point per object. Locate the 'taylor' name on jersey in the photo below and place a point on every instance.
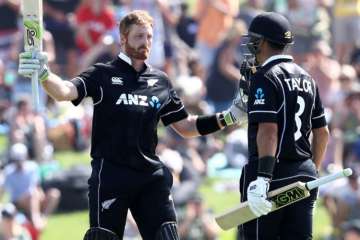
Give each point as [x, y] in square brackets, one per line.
[302, 85]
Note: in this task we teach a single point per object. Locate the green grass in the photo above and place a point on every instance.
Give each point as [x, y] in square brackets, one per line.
[66, 226]
[75, 224]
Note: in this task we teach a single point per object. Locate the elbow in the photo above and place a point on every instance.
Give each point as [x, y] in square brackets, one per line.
[185, 134]
[326, 134]
[322, 133]
[58, 98]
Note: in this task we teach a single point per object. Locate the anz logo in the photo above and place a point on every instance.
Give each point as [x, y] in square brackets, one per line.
[138, 100]
[259, 97]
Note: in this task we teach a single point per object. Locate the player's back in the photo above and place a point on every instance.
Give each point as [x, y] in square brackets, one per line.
[298, 91]
[283, 93]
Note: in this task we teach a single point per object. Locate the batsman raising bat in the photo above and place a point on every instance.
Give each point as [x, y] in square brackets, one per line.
[284, 107]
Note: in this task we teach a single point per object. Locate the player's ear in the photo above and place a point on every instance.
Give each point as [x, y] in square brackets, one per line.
[122, 40]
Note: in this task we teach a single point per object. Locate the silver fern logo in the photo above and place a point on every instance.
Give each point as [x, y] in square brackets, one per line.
[106, 204]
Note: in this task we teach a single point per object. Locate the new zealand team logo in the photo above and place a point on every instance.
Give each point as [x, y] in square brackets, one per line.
[155, 102]
[259, 97]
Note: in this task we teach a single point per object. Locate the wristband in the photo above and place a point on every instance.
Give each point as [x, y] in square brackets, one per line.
[207, 124]
[222, 119]
[266, 166]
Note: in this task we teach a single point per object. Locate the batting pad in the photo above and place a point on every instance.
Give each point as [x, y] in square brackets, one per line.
[98, 233]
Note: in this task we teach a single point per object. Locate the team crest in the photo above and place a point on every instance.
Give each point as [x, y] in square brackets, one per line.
[152, 82]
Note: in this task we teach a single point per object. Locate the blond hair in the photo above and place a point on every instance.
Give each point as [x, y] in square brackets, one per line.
[138, 17]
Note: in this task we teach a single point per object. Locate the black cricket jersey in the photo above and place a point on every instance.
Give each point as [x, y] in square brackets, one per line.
[127, 108]
[283, 93]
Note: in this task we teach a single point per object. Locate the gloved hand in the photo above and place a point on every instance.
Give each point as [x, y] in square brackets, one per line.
[237, 113]
[247, 69]
[29, 63]
[256, 196]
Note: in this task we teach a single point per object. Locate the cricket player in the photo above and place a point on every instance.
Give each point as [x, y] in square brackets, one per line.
[130, 97]
[284, 107]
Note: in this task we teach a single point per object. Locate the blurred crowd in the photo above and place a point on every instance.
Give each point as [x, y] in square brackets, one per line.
[198, 43]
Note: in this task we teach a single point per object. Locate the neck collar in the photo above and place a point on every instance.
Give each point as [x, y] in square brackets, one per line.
[277, 57]
[125, 58]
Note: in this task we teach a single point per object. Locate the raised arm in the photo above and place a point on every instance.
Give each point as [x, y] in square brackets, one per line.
[55, 87]
[59, 89]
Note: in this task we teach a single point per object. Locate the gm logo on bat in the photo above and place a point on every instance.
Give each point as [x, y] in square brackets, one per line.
[289, 196]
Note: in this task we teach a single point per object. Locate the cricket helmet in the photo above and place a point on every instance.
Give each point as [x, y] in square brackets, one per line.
[270, 26]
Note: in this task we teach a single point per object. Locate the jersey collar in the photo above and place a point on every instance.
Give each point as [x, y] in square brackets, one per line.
[277, 57]
[127, 59]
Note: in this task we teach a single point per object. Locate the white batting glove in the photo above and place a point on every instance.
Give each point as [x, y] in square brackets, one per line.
[29, 63]
[237, 113]
[256, 196]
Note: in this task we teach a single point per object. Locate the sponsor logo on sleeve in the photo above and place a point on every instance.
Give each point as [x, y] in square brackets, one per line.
[259, 97]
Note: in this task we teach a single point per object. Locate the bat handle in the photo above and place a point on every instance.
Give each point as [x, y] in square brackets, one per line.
[329, 178]
[35, 91]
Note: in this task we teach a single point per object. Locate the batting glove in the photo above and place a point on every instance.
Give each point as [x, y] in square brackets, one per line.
[237, 113]
[32, 62]
[256, 196]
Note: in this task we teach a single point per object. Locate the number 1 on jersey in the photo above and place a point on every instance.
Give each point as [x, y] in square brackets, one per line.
[298, 122]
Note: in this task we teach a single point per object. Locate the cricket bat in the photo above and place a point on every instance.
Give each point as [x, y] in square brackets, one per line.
[280, 198]
[32, 11]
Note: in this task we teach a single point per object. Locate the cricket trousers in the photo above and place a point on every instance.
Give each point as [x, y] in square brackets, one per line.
[293, 222]
[113, 190]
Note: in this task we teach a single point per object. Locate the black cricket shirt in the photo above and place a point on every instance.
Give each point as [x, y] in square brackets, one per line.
[127, 108]
[282, 92]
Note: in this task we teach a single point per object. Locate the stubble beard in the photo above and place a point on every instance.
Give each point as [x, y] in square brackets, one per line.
[136, 53]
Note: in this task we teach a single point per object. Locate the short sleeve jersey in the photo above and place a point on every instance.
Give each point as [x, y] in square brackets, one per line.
[282, 92]
[128, 106]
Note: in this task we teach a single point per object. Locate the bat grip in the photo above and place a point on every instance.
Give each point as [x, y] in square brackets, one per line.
[35, 91]
[329, 178]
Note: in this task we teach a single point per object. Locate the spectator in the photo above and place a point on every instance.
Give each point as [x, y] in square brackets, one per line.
[58, 21]
[28, 128]
[187, 26]
[185, 182]
[9, 12]
[10, 228]
[224, 74]
[346, 28]
[94, 18]
[196, 221]
[310, 23]
[217, 15]
[22, 183]
[325, 71]
[343, 200]
[250, 9]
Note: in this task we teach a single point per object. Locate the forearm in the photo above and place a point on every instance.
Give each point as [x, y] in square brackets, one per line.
[320, 140]
[59, 89]
[267, 144]
[190, 127]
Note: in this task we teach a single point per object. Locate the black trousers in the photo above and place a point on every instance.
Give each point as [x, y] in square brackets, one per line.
[113, 190]
[293, 222]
